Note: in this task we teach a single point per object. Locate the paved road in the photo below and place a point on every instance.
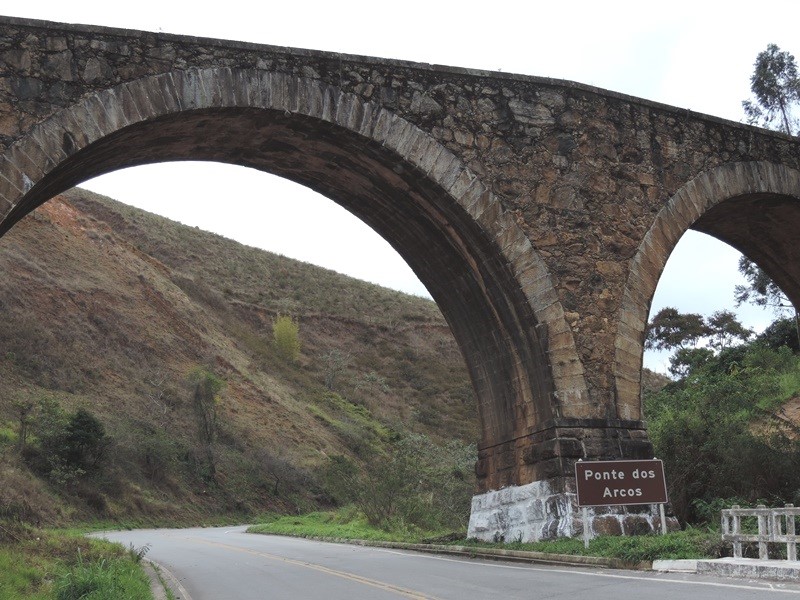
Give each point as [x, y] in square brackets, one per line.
[228, 564]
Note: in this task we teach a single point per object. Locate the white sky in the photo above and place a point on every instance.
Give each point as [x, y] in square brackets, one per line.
[695, 55]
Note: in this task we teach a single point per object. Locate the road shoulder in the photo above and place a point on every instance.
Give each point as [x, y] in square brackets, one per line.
[163, 582]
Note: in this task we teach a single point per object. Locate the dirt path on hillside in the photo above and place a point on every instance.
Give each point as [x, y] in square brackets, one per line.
[789, 414]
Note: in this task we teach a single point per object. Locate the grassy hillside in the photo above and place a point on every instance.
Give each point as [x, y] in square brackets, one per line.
[126, 314]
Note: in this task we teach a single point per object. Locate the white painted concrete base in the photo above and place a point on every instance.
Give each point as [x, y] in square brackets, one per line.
[748, 568]
[525, 513]
[777, 570]
[678, 565]
[533, 512]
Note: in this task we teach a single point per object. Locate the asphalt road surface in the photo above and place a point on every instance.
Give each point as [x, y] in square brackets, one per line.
[225, 563]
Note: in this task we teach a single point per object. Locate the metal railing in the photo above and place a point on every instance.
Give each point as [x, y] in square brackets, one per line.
[775, 525]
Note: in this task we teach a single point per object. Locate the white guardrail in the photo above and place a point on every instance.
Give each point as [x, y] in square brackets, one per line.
[775, 526]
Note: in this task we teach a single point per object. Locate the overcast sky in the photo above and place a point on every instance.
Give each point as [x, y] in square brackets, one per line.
[696, 55]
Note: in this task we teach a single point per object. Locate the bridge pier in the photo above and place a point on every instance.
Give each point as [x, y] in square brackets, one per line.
[546, 510]
[510, 510]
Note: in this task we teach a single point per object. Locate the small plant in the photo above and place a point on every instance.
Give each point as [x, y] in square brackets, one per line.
[137, 554]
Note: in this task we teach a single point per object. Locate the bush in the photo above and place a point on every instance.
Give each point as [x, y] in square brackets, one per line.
[286, 333]
[418, 483]
[84, 441]
[158, 455]
[782, 332]
[68, 446]
[710, 431]
[779, 360]
[205, 391]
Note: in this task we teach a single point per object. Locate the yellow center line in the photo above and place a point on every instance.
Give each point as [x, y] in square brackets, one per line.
[336, 573]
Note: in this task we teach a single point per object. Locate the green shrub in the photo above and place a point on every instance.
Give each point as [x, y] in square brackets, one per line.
[84, 441]
[711, 429]
[158, 454]
[7, 436]
[419, 483]
[286, 333]
[205, 391]
[67, 446]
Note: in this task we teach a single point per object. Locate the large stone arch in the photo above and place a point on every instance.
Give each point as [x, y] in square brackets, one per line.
[749, 205]
[490, 283]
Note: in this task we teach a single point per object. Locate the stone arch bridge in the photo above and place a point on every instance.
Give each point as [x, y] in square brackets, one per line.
[539, 213]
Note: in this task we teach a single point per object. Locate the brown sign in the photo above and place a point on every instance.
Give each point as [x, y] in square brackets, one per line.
[614, 482]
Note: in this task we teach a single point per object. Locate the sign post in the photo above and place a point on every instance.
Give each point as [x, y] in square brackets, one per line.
[586, 536]
[620, 483]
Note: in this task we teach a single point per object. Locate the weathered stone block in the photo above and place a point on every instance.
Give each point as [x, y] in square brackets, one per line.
[637, 525]
[607, 525]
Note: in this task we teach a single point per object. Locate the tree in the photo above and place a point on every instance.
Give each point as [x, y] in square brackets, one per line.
[682, 332]
[84, 441]
[686, 360]
[206, 388]
[68, 447]
[762, 291]
[49, 428]
[716, 433]
[286, 333]
[335, 363]
[282, 471]
[775, 83]
[776, 87]
[670, 329]
[25, 415]
[725, 329]
[781, 332]
[161, 396]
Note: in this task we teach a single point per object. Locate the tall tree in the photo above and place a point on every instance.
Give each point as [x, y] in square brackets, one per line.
[670, 329]
[682, 332]
[776, 87]
[762, 291]
[725, 330]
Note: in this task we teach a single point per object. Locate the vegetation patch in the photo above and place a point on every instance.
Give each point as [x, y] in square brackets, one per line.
[720, 425]
[154, 371]
[42, 564]
[345, 524]
[691, 543]
[349, 524]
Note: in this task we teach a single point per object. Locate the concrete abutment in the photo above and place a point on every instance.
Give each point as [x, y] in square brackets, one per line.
[547, 509]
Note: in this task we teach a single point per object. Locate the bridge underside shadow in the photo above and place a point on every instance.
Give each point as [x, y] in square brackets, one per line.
[763, 227]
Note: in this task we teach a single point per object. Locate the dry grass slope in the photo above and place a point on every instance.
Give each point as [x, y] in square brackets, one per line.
[110, 308]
